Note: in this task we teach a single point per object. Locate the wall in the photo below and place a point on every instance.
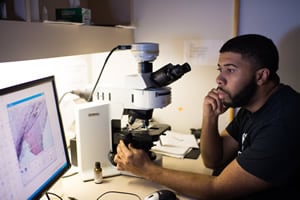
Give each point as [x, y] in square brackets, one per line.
[280, 21]
[71, 73]
[170, 23]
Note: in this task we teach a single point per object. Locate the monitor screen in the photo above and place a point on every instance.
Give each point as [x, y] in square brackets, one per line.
[32, 142]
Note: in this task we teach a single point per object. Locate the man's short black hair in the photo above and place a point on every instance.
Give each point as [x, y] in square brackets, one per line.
[260, 50]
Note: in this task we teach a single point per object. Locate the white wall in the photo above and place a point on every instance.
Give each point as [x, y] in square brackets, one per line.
[279, 20]
[71, 73]
[170, 23]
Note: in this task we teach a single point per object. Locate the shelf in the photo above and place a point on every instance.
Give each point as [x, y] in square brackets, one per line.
[34, 40]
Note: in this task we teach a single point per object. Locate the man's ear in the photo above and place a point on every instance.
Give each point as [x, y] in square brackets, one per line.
[262, 75]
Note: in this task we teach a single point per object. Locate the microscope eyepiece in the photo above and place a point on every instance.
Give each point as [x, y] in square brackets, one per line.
[169, 73]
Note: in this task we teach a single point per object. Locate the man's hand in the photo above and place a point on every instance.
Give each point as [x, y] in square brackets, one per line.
[213, 104]
[132, 160]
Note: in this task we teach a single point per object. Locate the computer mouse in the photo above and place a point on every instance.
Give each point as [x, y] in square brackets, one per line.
[161, 195]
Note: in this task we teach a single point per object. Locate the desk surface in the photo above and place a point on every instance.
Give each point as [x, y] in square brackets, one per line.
[73, 186]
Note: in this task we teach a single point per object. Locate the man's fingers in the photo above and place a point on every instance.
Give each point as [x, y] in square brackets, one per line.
[214, 100]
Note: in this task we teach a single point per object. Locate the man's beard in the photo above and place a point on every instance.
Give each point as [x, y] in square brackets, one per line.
[243, 97]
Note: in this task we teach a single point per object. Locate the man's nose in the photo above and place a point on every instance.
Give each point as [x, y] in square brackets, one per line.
[220, 80]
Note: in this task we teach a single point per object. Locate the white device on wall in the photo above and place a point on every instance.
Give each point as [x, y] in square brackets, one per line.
[93, 135]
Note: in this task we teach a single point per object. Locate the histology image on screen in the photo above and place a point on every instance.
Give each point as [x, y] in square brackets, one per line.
[29, 123]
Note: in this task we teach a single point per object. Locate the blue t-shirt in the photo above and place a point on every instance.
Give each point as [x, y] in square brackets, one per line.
[269, 140]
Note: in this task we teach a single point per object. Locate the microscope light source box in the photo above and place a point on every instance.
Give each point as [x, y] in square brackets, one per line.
[79, 15]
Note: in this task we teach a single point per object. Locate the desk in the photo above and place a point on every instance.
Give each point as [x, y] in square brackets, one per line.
[73, 186]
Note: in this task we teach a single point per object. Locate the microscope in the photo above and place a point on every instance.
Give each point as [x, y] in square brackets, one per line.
[140, 95]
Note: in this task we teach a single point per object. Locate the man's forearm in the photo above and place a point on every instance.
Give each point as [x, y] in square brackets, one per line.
[192, 184]
[210, 143]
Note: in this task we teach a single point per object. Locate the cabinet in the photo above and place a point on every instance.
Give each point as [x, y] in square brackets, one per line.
[35, 40]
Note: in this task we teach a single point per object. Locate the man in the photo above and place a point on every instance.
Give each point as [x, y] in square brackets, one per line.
[256, 156]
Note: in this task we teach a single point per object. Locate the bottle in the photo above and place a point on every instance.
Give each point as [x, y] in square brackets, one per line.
[98, 173]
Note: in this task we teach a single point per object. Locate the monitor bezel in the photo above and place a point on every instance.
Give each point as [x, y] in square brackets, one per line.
[67, 165]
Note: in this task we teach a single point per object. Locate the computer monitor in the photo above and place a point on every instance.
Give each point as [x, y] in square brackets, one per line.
[33, 151]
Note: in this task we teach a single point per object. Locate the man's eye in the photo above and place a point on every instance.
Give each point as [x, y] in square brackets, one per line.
[227, 70]
[231, 70]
